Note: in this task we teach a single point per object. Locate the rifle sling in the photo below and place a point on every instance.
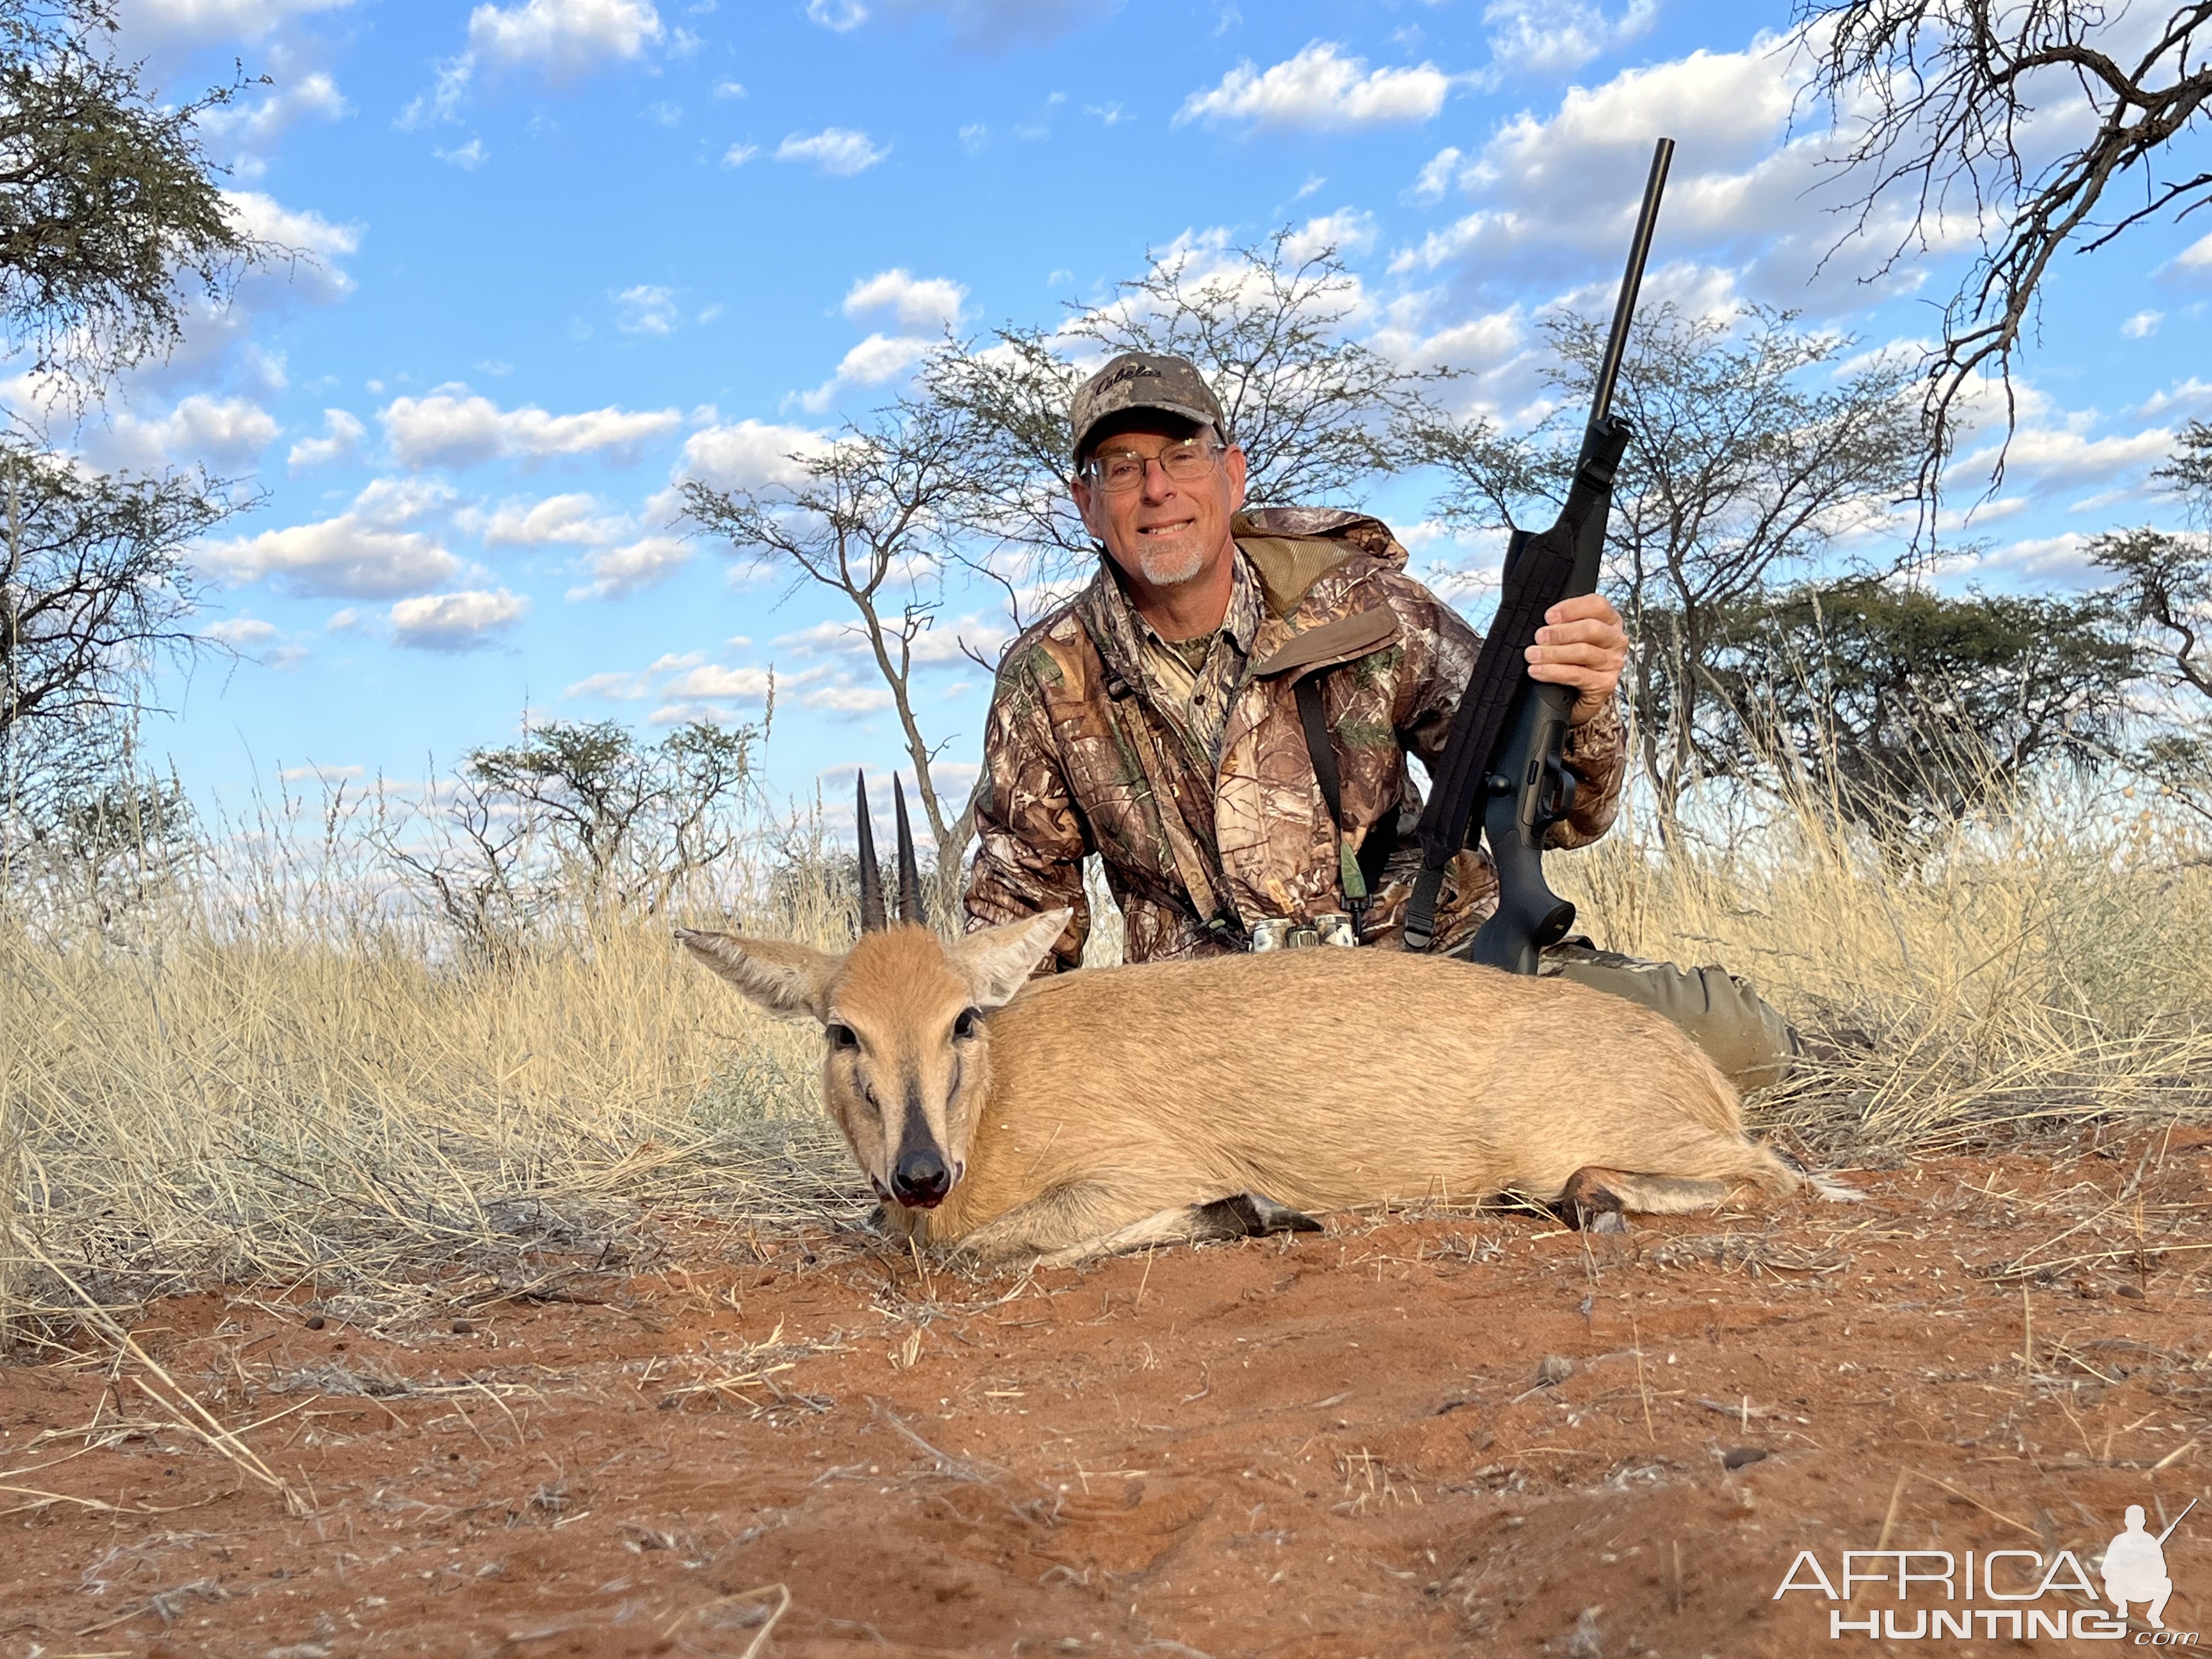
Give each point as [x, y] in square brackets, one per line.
[1536, 579]
[1382, 839]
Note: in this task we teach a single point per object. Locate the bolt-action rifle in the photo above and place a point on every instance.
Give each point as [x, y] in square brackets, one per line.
[1501, 774]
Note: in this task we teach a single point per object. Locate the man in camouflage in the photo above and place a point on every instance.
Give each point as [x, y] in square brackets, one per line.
[1153, 718]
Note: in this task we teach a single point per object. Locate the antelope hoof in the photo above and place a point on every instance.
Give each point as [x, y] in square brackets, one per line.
[1248, 1215]
[1590, 1205]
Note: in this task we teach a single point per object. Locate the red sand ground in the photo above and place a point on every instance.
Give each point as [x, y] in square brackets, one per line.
[1323, 1447]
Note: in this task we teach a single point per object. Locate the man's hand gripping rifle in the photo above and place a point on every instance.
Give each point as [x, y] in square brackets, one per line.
[1501, 770]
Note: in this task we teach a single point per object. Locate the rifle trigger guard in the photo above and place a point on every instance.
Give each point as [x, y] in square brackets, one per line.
[1558, 800]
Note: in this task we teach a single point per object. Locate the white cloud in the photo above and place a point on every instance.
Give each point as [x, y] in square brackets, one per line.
[341, 442]
[224, 432]
[625, 687]
[738, 154]
[201, 22]
[562, 38]
[917, 301]
[573, 519]
[1558, 192]
[839, 16]
[1321, 90]
[251, 131]
[1438, 174]
[303, 266]
[838, 151]
[366, 552]
[2191, 393]
[452, 427]
[750, 454]
[468, 157]
[729, 89]
[455, 621]
[443, 101]
[239, 632]
[2058, 459]
[2062, 557]
[2142, 324]
[1348, 230]
[939, 643]
[616, 687]
[878, 358]
[847, 699]
[622, 571]
[647, 309]
[1553, 36]
[322, 244]
[716, 685]
[2196, 257]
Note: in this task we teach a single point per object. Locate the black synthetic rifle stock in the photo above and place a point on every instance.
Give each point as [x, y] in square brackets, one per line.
[1501, 766]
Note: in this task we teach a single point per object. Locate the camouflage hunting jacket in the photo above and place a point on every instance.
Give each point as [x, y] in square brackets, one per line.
[1195, 783]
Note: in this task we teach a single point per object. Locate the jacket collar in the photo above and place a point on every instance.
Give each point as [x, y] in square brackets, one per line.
[1118, 631]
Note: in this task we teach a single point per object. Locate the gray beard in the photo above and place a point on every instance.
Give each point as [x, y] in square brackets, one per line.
[1164, 569]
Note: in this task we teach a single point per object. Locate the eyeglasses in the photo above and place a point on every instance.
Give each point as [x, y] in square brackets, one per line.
[1118, 472]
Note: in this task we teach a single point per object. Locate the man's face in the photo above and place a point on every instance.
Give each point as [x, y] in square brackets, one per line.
[1166, 531]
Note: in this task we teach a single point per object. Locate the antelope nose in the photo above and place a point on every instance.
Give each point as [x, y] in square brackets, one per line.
[920, 1181]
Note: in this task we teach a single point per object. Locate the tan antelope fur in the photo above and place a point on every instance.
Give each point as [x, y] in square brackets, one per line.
[1107, 1109]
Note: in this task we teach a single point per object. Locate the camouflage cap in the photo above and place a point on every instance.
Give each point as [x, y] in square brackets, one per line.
[1145, 379]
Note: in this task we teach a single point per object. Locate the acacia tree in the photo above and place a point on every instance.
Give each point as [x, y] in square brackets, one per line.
[1909, 709]
[873, 518]
[1314, 409]
[1949, 104]
[110, 220]
[2164, 589]
[110, 215]
[970, 473]
[93, 586]
[575, 817]
[1751, 460]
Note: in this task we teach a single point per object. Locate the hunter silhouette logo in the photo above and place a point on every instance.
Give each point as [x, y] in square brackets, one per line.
[2135, 1567]
[1919, 1595]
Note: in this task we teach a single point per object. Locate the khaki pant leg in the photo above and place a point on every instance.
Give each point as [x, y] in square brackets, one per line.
[1740, 1031]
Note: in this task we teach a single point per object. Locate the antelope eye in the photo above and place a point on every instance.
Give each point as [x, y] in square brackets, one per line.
[965, 1025]
[841, 1036]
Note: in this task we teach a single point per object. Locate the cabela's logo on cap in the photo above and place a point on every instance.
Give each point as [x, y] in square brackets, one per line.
[1137, 369]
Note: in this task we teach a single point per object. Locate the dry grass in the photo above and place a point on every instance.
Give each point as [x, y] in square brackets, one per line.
[2041, 964]
[336, 1101]
[279, 1077]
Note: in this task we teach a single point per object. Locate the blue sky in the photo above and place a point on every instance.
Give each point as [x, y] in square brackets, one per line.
[563, 254]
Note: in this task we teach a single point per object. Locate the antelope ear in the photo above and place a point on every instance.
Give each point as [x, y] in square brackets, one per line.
[791, 981]
[998, 960]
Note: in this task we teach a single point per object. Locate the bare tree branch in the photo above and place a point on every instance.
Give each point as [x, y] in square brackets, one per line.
[1945, 101]
[875, 520]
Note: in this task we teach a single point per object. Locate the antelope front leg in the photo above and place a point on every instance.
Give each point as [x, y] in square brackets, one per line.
[1073, 1225]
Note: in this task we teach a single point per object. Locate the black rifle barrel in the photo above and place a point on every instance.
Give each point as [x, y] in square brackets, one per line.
[1501, 770]
[1624, 310]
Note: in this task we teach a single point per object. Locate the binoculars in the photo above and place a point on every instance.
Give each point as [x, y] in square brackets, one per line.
[1281, 933]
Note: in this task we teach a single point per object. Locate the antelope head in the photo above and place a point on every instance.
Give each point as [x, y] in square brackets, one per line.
[906, 1065]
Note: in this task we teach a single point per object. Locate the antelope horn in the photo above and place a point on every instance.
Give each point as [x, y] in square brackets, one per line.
[872, 877]
[910, 908]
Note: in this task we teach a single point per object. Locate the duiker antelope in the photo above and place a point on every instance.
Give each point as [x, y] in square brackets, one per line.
[1112, 1108]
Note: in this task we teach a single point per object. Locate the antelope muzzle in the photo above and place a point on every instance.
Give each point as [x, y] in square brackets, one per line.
[920, 1178]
